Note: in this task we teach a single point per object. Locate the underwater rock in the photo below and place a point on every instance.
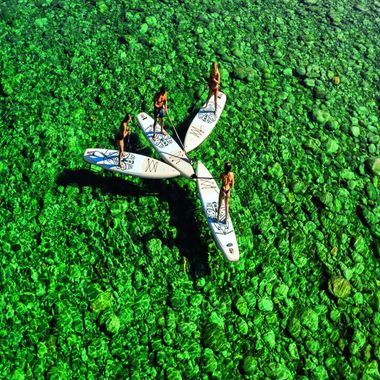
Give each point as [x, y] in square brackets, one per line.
[242, 326]
[270, 339]
[294, 327]
[332, 146]
[249, 365]
[113, 324]
[244, 73]
[241, 306]
[275, 171]
[281, 292]
[321, 116]
[300, 71]
[102, 302]
[339, 286]
[335, 17]
[309, 319]
[355, 131]
[210, 363]
[265, 304]
[374, 165]
[214, 337]
[309, 82]
[177, 300]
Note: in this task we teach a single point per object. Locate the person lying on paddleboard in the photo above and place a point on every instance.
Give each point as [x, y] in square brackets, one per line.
[122, 133]
[213, 85]
[160, 107]
[228, 181]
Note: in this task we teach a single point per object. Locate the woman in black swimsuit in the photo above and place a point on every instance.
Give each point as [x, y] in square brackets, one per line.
[228, 182]
[213, 85]
[122, 133]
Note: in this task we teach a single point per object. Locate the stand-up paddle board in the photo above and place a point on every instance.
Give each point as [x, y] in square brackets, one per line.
[204, 122]
[166, 146]
[132, 164]
[223, 231]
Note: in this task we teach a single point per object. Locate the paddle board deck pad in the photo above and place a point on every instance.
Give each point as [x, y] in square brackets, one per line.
[223, 231]
[166, 146]
[204, 122]
[132, 164]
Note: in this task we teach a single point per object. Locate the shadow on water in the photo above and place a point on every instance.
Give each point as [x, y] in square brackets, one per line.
[181, 207]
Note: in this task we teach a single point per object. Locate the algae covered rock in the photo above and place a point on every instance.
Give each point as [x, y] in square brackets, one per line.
[281, 291]
[339, 286]
[332, 146]
[214, 337]
[102, 302]
[241, 306]
[247, 74]
[275, 171]
[294, 327]
[249, 365]
[374, 165]
[321, 116]
[265, 304]
[309, 319]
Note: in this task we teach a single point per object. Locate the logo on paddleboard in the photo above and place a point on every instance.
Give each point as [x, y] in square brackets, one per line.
[207, 116]
[212, 211]
[128, 161]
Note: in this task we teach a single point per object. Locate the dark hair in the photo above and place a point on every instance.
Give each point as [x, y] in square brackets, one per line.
[227, 167]
[162, 90]
[126, 117]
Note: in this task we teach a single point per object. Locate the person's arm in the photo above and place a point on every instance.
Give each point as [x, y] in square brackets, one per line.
[217, 79]
[232, 180]
[155, 99]
[166, 102]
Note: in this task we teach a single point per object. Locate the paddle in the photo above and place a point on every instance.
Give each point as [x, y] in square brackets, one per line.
[175, 130]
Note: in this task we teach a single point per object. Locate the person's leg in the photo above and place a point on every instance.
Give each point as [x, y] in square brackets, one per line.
[162, 126]
[227, 205]
[219, 205]
[216, 93]
[210, 92]
[120, 144]
[154, 127]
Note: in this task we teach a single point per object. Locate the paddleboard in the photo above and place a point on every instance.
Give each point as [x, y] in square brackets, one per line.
[166, 146]
[223, 231]
[132, 164]
[203, 123]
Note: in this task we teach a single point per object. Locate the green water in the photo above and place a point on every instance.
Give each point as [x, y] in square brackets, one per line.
[112, 277]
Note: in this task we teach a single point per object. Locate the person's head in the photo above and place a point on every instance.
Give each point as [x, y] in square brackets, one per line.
[162, 90]
[227, 167]
[127, 118]
[214, 66]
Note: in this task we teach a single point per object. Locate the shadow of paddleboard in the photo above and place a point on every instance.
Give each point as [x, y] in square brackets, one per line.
[181, 208]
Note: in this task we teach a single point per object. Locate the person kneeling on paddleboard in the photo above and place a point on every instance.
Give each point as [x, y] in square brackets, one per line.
[160, 108]
[228, 182]
[122, 133]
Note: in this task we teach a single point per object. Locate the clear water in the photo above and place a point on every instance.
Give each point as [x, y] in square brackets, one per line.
[106, 276]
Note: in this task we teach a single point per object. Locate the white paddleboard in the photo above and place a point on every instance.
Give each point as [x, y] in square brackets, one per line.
[223, 231]
[203, 123]
[132, 164]
[166, 146]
